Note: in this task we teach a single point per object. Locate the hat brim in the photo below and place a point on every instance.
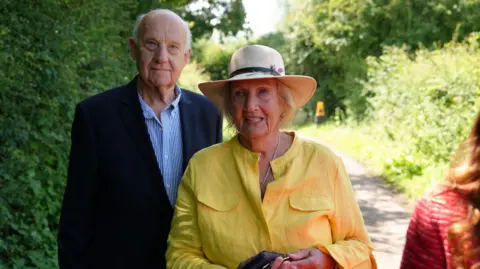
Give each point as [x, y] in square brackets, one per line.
[301, 88]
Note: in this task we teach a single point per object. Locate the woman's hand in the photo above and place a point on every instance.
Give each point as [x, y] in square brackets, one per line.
[280, 264]
[306, 259]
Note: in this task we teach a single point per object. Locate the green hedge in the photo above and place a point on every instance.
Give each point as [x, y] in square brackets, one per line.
[423, 105]
[54, 53]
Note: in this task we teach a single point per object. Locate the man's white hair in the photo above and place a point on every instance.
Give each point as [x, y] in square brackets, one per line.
[140, 18]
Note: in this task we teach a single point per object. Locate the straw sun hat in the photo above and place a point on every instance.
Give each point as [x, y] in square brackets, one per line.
[259, 62]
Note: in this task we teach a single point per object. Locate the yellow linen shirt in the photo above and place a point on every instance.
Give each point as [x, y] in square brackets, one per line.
[220, 219]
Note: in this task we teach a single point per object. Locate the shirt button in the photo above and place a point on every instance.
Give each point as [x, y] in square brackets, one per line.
[168, 186]
[166, 157]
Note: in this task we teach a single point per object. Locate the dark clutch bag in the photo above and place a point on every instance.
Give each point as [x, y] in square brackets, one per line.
[261, 261]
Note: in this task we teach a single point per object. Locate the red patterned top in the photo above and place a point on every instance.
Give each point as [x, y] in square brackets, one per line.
[427, 243]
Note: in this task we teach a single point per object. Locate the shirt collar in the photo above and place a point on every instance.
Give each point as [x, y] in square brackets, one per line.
[148, 112]
[254, 157]
[178, 93]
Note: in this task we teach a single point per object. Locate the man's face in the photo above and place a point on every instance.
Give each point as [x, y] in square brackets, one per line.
[160, 52]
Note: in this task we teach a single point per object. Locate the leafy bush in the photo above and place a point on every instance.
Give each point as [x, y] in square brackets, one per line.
[192, 74]
[403, 166]
[425, 105]
[214, 57]
[422, 108]
[54, 53]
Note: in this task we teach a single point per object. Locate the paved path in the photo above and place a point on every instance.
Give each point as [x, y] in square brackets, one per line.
[385, 212]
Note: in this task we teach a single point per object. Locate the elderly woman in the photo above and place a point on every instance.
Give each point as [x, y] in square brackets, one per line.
[265, 190]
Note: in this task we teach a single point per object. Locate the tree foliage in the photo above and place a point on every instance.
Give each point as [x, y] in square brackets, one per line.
[422, 108]
[427, 101]
[228, 17]
[214, 57]
[330, 39]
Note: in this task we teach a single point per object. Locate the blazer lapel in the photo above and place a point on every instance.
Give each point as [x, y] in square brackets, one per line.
[134, 120]
[187, 120]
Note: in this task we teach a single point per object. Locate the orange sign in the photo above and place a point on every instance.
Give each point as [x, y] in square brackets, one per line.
[320, 109]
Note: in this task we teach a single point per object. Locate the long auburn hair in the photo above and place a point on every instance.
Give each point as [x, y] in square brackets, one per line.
[464, 177]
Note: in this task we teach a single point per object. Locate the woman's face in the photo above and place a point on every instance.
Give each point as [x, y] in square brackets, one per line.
[256, 107]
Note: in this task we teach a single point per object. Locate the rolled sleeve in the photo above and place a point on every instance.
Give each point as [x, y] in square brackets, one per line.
[352, 247]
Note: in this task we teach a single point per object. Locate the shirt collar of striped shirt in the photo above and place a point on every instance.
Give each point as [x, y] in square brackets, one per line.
[148, 112]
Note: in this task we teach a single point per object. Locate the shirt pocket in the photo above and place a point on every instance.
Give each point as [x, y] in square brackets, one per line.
[307, 224]
[218, 224]
[217, 202]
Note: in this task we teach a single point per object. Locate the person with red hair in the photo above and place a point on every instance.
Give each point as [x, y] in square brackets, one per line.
[444, 230]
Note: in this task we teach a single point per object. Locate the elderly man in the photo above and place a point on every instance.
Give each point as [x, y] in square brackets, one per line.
[130, 146]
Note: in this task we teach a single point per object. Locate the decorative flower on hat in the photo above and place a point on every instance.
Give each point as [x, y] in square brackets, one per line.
[273, 68]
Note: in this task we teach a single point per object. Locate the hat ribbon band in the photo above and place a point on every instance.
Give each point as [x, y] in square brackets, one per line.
[253, 70]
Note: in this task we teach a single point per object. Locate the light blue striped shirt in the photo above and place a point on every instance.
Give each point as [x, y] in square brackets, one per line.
[166, 137]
